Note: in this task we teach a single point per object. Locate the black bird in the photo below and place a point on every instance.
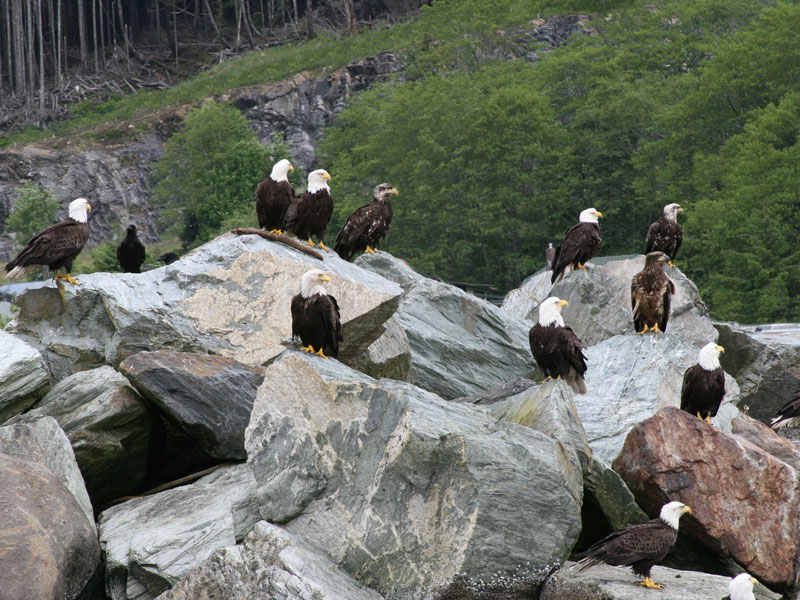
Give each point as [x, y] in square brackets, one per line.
[130, 252]
[168, 258]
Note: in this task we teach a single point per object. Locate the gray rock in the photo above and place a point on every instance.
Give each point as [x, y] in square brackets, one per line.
[107, 424]
[23, 376]
[230, 296]
[631, 377]
[271, 563]
[43, 442]
[460, 345]
[600, 301]
[402, 489]
[499, 392]
[612, 496]
[389, 356]
[619, 583]
[209, 397]
[151, 543]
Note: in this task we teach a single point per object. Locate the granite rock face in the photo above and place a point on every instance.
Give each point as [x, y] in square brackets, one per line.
[460, 345]
[23, 376]
[730, 485]
[230, 296]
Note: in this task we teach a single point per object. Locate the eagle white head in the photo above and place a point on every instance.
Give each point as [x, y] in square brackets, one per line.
[672, 512]
[709, 356]
[280, 170]
[550, 312]
[590, 215]
[671, 211]
[311, 283]
[79, 209]
[318, 181]
[741, 587]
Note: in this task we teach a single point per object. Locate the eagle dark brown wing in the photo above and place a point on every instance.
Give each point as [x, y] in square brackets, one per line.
[702, 391]
[273, 199]
[559, 353]
[788, 414]
[580, 244]
[665, 235]
[316, 321]
[651, 298]
[56, 247]
[366, 226]
[309, 215]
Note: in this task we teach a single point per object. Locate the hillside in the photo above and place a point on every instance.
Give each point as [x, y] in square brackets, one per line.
[498, 122]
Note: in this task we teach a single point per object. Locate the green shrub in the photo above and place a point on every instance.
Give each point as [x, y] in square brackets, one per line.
[32, 210]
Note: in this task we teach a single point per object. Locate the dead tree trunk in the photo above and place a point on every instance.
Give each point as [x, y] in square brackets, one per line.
[82, 32]
[309, 20]
[351, 17]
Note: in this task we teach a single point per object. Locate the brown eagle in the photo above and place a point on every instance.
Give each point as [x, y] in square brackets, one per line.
[789, 414]
[310, 212]
[651, 292]
[580, 244]
[666, 234]
[131, 252]
[638, 546]
[274, 195]
[556, 348]
[368, 225]
[55, 247]
[315, 316]
[704, 384]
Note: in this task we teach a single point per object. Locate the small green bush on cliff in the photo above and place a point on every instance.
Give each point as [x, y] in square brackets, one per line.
[33, 209]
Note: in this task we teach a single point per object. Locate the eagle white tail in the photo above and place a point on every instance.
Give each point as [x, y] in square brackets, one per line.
[576, 382]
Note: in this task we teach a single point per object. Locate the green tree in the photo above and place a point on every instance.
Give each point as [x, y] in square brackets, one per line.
[33, 209]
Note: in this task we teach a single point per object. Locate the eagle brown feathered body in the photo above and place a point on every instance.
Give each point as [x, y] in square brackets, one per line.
[789, 414]
[704, 384]
[665, 234]
[315, 315]
[651, 293]
[581, 243]
[368, 225]
[556, 348]
[273, 199]
[310, 212]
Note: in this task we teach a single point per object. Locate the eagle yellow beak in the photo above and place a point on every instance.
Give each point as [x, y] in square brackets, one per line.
[325, 277]
[562, 303]
[680, 209]
[291, 167]
[393, 191]
[597, 213]
[89, 207]
[720, 349]
[326, 175]
[686, 510]
[753, 580]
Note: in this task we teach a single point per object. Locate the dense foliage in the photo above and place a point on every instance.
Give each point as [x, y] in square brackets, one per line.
[33, 209]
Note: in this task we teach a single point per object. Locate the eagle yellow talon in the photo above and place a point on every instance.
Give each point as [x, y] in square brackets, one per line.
[671, 264]
[308, 348]
[656, 329]
[276, 231]
[708, 420]
[311, 243]
[583, 267]
[320, 353]
[68, 278]
[649, 583]
[643, 331]
[369, 250]
[324, 247]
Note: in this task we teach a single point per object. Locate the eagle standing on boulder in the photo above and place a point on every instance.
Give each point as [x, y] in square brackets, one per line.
[666, 234]
[368, 225]
[638, 546]
[704, 384]
[274, 195]
[315, 316]
[55, 247]
[580, 244]
[310, 212]
[651, 292]
[130, 252]
[789, 414]
[556, 348]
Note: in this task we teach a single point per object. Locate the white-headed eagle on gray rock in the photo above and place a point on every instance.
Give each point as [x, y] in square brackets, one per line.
[556, 348]
[315, 316]
[580, 244]
[368, 225]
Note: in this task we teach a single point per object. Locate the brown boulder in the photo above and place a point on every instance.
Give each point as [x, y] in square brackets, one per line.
[745, 502]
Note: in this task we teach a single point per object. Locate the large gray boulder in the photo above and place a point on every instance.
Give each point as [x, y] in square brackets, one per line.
[400, 488]
[151, 543]
[107, 424]
[460, 345]
[230, 296]
[23, 376]
[600, 301]
[271, 563]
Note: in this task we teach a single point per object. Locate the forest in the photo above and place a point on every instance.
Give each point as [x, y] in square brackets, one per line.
[495, 153]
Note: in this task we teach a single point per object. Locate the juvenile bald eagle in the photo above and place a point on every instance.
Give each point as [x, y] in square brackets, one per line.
[55, 247]
[310, 212]
[638, 546]
[368, 225]
[556, 348]
[741, 587]
[580, 244]
[315, 316]
[273, 197]
[130, 252]
[789, 414]
[704, 384]
[651, 293]
[666, 234]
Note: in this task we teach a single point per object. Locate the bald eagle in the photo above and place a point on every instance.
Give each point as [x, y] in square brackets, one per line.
[273, 197]
[55, 247]
[315, 316]
[638, 546]
[310, 212]
[130, 252]
[704, 384]
[666, 234]
[651, 293]
[741, 587]
[368, 225]
[556, 348]
[789, 414]
[580, 244]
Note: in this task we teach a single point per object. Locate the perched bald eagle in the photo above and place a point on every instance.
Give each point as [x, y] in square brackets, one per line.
[315, 316]
[580, 244]
[704, 384]
[789, 414]
[638, 546]
[310, 212]
[368, 225]
[556, 348]
[130, 252]
[666, 234]
[741, 587]
[55, 247]
[651, 293]
[273, 197]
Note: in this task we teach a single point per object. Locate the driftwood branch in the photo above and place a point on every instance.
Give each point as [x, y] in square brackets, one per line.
[277, 238]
